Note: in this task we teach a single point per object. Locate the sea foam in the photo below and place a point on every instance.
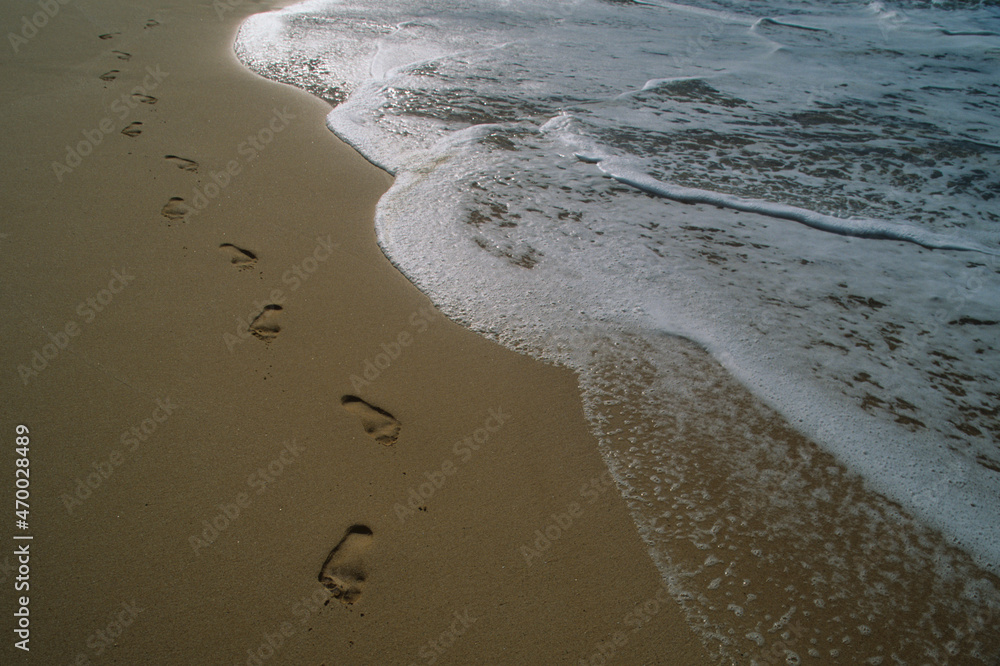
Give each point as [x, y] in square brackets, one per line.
[804, 191]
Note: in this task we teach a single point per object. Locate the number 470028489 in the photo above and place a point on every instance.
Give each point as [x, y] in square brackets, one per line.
[22, 474]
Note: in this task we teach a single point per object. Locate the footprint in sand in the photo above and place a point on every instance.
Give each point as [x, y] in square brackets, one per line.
[378, 423]
[265, 325]
[174, 209]
[151, 23]
[109, 35]
[343, 573]
[145, 99]
[109, 75]
[121, 55]
[182, 163]
[133, 130]
[239, 257]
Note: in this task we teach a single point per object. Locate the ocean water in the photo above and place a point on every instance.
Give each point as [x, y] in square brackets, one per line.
[806, 191]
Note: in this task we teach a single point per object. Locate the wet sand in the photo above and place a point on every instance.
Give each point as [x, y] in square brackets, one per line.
[254, 441]
[203, 290]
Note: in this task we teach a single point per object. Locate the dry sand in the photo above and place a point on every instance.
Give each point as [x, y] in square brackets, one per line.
[165, 349]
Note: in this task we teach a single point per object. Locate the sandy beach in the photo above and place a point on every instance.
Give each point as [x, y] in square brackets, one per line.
[253, 441]
[189, 479]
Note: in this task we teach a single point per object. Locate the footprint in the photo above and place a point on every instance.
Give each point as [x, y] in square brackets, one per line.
[133, 129]
[122, 55]
[378, 423]
[265, 325]
[238, 256]
[182, 163]
[145, 99]
[174, 209]
[109, 35]
[109, 75]
[343, 573]
[151, 23]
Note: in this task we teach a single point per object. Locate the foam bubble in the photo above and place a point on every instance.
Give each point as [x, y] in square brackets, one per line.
[878, 349]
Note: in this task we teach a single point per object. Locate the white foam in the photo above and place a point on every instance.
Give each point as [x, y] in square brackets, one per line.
[882, 351]
[857, 227]
[417, 76]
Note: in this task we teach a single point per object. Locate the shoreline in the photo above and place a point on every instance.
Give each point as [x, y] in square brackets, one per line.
[825, 499]
[222, 389]
[884, 413]
[210, 525]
